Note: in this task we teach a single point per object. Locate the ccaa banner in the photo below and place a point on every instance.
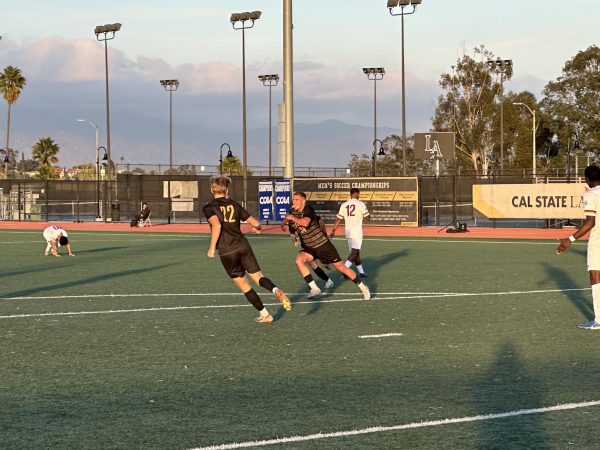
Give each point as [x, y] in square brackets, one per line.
[529, 201]
[283, 198]
[265, 200]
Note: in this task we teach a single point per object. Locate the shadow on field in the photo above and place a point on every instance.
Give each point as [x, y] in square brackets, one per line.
[505, 387]
[374, 264]
[564, 281]
[83, 281]
[99, 250]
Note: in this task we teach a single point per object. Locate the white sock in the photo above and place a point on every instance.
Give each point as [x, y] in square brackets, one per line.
[275, 289]
[596, 300]
[348, 264]
[313, 286]
[360, 269]
[263, 312]
[48, 247]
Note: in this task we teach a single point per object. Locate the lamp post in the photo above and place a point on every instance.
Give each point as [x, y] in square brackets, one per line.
[391, 4]
[376, 154]
[105, 163]
[270, 81]
[105, 33]
[532, 112]
[239, 22]
[374, 74]
[229, 155]
[170, 86]
[501, 66]
[575, 146]
[92, 124]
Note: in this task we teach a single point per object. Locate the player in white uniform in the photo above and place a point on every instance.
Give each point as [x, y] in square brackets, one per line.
[55, 236]
[352, 212]
[591, 205]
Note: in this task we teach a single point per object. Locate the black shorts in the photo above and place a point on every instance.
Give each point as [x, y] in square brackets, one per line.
[326, 253]
[240, 261]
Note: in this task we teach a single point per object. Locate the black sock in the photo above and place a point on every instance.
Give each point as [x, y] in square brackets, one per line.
[308, 278]
[356, 279]
[253, 298]
[267, 284]
[321, 274]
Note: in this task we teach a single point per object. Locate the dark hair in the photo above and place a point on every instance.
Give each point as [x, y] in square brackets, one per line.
[354, 191]
[301, 194]
[63, 240]
[592, 173]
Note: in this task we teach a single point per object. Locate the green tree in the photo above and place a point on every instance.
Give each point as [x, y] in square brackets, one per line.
[232, 166]
[44, 152]
[572, 103]
[12, 83]
[468, 108]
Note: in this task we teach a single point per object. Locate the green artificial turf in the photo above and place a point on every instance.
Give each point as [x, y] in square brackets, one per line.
[161, 351]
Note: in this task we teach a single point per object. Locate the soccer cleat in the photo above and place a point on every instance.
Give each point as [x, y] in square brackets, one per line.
[329, 283]
[283, 299]
[362, 275]
[264, 319]
[365, 291]
[45, 253]
[313, 293]
[589, 325]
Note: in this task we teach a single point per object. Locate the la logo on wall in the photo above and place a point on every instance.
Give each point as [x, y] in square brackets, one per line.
[434, 146]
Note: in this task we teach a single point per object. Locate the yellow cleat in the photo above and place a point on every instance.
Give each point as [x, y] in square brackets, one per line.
[283, 299]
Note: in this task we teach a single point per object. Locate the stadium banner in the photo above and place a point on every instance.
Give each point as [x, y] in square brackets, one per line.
[391, 201]
[265, 200]
[529, 201]
[283, 198]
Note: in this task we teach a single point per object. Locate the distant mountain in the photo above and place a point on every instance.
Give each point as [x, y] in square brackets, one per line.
[325, 144]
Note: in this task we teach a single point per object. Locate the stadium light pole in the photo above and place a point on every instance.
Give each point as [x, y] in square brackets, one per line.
[92, 124]
[270, 81]
[391, 4]
[239, 21]
[376, 154]
[170, 86]
[106, 33]
[532, 112]
[501, 66]
[374, 74]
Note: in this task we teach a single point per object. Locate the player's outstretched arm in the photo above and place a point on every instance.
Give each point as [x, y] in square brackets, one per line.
[590, 222]
[255, 224]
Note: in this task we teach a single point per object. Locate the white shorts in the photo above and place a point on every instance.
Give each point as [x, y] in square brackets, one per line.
[48, 236]
[593, 255]
[355, 242]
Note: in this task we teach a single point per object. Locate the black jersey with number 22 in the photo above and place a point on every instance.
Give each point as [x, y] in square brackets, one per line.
[230, 214]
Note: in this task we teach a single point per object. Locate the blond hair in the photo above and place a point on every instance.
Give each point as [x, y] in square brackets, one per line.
[220, 184]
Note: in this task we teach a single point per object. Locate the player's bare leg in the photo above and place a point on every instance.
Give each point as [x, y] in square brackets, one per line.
[266, 283]
[302, 259]
[354, 278]
[254, 299]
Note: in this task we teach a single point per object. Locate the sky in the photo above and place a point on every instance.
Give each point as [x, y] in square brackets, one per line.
[54, 45]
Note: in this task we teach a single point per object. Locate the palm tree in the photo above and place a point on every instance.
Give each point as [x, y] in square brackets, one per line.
[11, 84]
[44, 152]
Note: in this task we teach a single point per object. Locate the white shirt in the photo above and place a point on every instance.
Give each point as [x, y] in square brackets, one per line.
[51, 233]
[591, 206]
[353, 211]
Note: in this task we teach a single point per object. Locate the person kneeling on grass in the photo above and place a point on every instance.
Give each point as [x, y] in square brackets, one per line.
[55, 236]
[224, 216]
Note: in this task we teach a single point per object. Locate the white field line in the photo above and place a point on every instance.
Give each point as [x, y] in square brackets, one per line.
[298, 294]
[369, 336]
[408, 426]
[379, 297]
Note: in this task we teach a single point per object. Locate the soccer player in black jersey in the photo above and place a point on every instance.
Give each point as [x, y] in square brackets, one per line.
[316, 245]
[237, 257]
